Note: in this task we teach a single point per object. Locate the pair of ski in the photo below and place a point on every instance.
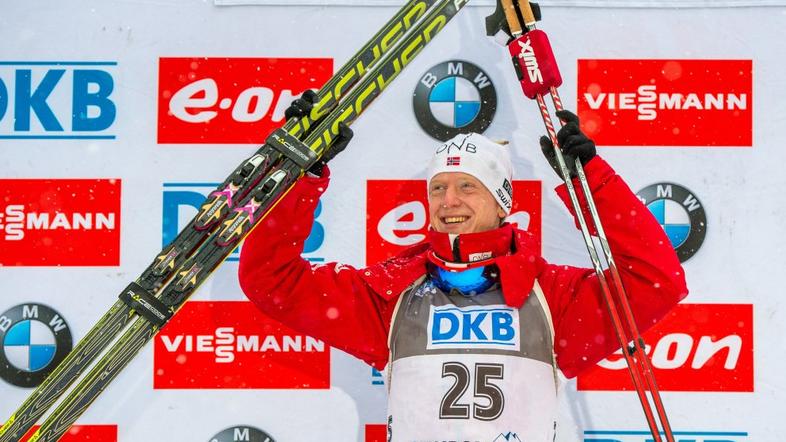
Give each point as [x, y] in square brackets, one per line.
[225, 218]
[539, 75]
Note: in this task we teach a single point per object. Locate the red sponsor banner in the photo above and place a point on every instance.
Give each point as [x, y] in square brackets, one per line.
[82, 433]
[224, 344]
[60, 222]
[376, 433]
[397, 214]
[666, 102]
[696, 347]
[231, 100]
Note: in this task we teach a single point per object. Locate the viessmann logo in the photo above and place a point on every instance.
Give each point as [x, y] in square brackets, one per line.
[697, 347]
[666, 102]
[69, 222]
[232, 345]
[231, 100]
[398, 214]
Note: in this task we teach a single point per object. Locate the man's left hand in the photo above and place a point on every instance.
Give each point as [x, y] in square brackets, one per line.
[573, 144]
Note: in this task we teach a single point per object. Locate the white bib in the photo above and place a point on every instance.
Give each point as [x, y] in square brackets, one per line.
[470, 368]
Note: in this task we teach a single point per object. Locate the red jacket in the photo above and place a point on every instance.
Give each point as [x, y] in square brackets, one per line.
[351, 309]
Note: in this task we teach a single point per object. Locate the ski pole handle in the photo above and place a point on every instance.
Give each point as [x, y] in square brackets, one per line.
[512, 17]
[529, 15]
[535, 64]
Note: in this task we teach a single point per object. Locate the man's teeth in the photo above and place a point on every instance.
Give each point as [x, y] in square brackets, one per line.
[455, 219]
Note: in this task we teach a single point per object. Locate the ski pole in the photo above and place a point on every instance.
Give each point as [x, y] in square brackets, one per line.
[539, 74]
[636, 347]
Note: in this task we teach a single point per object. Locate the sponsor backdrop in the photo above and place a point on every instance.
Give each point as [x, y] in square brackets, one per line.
[117, 118]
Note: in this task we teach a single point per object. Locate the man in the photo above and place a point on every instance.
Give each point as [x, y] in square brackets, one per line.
[473, 322]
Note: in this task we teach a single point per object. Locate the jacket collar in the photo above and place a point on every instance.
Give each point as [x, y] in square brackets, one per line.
[468, 250]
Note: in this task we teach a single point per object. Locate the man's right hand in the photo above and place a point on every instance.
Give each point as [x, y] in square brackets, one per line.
[340, 143]
[302, 107]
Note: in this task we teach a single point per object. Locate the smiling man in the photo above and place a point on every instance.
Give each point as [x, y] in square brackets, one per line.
[469, 187]
[472, 324]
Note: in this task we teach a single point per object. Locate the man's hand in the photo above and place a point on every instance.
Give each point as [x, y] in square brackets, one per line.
[302, 106]
[573, 143]
[340, 143]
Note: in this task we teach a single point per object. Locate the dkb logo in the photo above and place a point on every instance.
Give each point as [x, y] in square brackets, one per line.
[493, 326]
[182, 202]
[56, 100]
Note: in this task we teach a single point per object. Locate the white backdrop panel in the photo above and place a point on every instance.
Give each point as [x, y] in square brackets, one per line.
[740, 261]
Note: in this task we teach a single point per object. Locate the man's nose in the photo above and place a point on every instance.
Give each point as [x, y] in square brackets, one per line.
[451, 197]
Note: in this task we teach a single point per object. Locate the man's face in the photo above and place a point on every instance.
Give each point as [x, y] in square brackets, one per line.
[460, 203]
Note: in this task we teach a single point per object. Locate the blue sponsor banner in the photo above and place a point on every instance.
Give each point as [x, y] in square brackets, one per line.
[679, 436]
[57, 100]
[476, 326]
[181, 204]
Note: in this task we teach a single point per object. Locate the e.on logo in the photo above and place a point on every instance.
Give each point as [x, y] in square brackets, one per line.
[666, 102]
[696, 347]
[397, 214]
[231, 100]
[224, 344]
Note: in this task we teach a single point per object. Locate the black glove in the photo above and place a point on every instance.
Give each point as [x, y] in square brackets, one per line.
[302, 106]
[340, 143]
[573, 143]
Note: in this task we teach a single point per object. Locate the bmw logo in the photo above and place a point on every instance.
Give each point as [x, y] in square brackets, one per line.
[34, 339]
[679, 213]
[454, 97]
[242, 433]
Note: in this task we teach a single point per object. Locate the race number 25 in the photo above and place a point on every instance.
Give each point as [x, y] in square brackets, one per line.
[488, 398]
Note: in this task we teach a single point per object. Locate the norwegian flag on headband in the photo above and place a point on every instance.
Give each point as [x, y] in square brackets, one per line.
[453, 161]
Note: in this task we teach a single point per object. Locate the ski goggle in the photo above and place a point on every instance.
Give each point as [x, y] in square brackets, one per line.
[468, 282]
